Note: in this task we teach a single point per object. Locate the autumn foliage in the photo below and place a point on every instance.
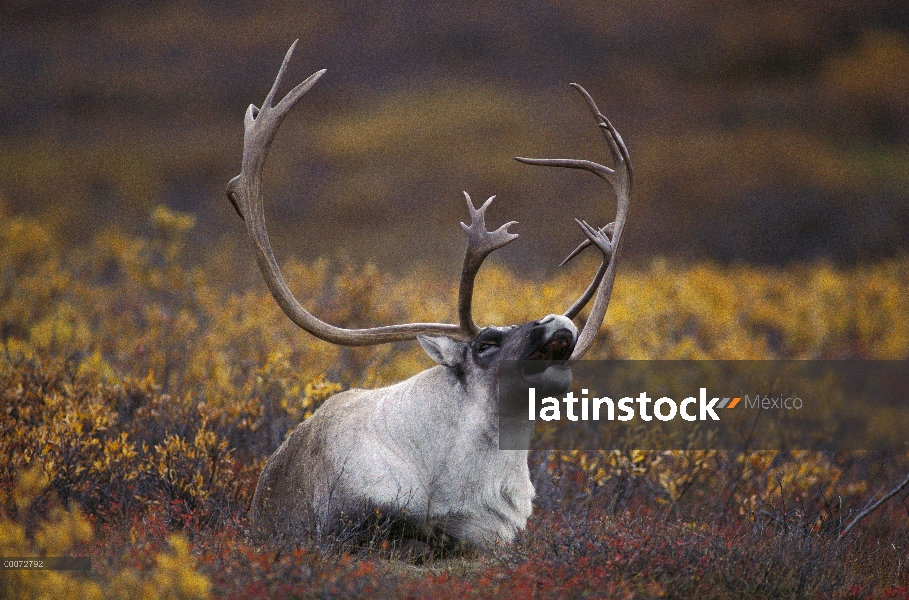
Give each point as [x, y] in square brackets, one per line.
[141, 391]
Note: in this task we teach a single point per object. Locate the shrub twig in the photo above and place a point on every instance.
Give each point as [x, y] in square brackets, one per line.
[871, 508]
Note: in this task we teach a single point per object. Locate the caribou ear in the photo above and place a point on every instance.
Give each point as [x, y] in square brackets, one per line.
[443, 350]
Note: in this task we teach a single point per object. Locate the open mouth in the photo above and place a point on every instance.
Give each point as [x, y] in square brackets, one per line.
[545, 368]
[558, 347]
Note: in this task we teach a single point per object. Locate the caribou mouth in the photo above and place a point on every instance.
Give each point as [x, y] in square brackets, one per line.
[546, 368]
[559, 347]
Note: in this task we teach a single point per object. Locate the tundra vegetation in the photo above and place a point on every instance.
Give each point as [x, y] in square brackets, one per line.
[143, 390]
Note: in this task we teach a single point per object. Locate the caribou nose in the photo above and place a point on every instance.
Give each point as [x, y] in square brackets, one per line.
[554, 323]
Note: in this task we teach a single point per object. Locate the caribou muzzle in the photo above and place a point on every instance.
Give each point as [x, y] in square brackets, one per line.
[559, 347]
[552, 338]
[550, 344]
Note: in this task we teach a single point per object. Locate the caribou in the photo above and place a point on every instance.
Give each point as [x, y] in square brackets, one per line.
[423, 451]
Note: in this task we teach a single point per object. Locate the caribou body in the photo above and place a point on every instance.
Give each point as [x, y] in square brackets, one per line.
[423, 451]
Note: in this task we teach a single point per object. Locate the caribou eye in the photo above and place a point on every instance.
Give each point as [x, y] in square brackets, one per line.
[486, 346]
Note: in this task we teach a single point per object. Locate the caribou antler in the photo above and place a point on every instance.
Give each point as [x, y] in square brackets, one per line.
[480, 243]
[245, 193]
[607, 239]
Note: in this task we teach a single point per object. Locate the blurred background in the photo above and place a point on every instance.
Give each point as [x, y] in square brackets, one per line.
[761, 132]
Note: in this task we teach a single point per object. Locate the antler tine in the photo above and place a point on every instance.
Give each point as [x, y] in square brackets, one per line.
[607, 239]
[245, 193]
[270, 98]
[609, 229]
[582, 301]
[260, 127]
[480, 243]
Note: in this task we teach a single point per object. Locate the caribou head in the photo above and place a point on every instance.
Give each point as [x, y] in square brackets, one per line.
[423, 451]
